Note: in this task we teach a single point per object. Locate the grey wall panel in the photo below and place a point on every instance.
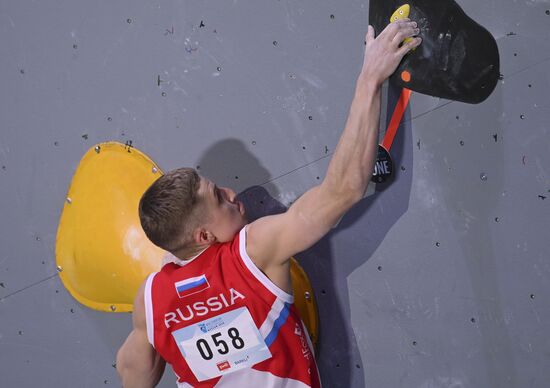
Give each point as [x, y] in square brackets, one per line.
[439, 279]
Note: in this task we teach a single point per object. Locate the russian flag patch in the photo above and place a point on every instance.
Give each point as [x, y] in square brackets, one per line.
[191, 286]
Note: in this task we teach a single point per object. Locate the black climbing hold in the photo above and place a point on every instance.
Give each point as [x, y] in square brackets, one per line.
[383, 167]
[458, 58]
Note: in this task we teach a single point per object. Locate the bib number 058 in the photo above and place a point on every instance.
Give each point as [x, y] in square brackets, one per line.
[221, 345]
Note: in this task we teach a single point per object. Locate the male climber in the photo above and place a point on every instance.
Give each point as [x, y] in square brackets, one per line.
[223, 314]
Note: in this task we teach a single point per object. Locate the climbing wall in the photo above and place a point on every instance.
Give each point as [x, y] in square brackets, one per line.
[439, 278]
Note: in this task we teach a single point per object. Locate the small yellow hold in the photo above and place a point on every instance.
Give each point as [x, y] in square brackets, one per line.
[399, 14]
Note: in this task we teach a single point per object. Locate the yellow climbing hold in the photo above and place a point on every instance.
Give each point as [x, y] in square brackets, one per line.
[101, 246]
[399, 14]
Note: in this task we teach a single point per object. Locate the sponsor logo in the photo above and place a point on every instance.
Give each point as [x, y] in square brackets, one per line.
[237, 362]
[223, 365]
[191, 286]
[306, 352]
[211, 324]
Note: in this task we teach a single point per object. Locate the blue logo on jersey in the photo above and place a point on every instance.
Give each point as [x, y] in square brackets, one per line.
[203, 328]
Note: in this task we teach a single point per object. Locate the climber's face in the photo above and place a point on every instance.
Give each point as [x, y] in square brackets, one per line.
[224, 215]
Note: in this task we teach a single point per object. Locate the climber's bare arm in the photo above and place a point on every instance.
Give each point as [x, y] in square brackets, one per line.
[138, 364]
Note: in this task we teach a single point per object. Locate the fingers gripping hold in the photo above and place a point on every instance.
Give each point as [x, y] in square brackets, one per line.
[383, 53]
[404, 32]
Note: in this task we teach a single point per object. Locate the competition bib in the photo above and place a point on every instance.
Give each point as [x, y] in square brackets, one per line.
[222, 344]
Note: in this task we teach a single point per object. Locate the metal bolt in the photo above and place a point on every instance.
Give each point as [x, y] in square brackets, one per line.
[307, 295]
[97, 149]
[69, 201]
[59, 268]
[483, 176]
[155, 170]
[113, 307]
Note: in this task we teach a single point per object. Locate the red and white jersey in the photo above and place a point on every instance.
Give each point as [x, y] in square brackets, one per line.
[220, 322]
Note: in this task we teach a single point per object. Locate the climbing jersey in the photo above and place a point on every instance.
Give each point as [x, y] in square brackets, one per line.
[220, 322]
